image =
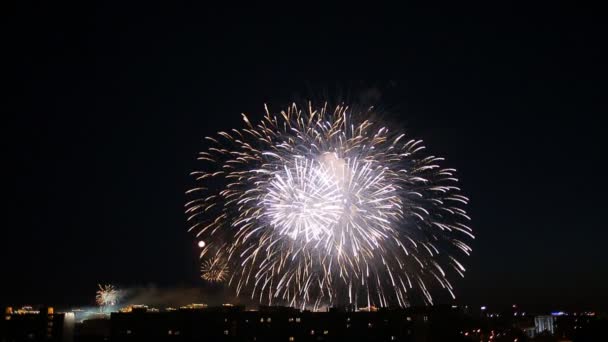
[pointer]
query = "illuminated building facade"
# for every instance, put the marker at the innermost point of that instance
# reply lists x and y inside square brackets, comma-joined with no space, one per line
[27,324]
[544,324]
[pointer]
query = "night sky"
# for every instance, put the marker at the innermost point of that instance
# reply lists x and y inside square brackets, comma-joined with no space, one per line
[109,105]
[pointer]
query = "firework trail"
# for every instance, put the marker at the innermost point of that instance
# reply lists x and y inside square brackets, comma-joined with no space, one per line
[327,207]
[107,295]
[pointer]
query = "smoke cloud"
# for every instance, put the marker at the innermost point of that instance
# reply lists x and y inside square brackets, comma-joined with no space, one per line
[175,297]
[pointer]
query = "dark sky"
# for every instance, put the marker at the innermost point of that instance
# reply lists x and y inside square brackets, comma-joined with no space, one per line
[108,106]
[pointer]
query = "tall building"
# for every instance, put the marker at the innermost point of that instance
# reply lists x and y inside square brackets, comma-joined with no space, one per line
[27,324]
[544,324]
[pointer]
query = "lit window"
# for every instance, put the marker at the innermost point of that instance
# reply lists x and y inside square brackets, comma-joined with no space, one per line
[291,338]
[268,320]
[170,332]
[262,320]
[298,319]
[325,332]
[393,338]
[312,332]
[128,332]
[409,319]
[290,319]
[369,325]
[225,332]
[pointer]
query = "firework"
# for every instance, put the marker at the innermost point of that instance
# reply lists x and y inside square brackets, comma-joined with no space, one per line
[327,207]
[214,269]
[107,295]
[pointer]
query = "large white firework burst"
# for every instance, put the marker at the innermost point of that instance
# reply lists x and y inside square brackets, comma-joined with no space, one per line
[327,207]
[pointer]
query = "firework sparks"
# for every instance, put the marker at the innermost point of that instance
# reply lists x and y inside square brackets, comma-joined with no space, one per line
[326,207]
[107,295]
[214,269]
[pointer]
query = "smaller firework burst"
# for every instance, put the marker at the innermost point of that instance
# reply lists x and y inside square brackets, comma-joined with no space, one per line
[107,295]
[214,269]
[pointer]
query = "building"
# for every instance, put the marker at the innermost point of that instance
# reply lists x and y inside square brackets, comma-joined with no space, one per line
[544,324]
[27,324]
[266,324]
